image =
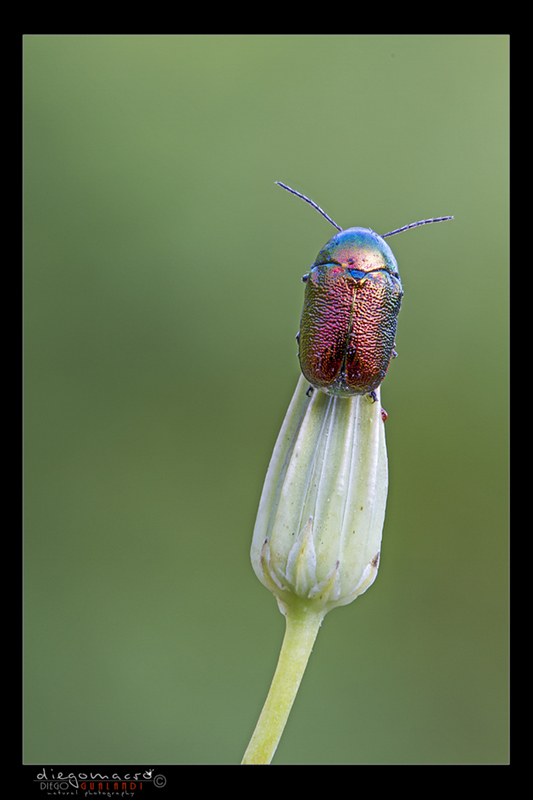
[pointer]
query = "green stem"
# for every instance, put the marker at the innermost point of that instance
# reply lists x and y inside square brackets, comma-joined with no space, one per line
[302,624]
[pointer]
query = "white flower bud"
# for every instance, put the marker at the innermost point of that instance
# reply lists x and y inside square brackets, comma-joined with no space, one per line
[317,536]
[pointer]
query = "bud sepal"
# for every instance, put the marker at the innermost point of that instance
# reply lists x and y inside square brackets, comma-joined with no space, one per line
[318,530]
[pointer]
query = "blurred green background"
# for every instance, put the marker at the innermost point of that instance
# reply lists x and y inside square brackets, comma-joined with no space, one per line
[162,297]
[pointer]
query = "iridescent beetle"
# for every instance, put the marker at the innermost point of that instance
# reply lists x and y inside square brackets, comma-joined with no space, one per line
[352,300]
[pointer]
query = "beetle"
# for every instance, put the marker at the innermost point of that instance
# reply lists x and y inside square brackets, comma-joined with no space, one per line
[352,300]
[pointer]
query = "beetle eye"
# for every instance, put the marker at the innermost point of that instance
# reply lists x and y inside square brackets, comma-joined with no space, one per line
[305,277]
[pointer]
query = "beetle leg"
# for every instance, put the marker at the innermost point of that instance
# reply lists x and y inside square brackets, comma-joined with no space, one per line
[310,391]
[305,277]
[373,396]
[394,354]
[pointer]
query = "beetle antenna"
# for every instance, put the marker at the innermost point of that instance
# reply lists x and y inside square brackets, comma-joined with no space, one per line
[320,211]
[415,225]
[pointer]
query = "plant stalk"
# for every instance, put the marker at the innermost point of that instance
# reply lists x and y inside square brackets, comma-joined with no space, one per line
[302,624]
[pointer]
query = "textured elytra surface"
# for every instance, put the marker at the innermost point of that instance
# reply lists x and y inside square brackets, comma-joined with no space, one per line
[348,328]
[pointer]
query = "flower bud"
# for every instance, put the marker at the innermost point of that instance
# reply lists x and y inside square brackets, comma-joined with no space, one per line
[317,535]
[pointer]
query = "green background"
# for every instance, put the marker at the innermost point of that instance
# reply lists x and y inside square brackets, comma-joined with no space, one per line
[162,297]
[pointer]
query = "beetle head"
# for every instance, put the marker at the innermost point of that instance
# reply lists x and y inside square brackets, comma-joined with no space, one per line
[358,249]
